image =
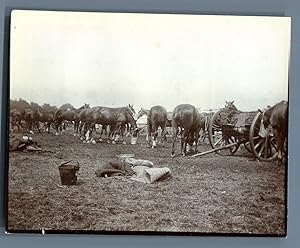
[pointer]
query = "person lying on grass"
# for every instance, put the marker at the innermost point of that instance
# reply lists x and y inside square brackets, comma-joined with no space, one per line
[22,143]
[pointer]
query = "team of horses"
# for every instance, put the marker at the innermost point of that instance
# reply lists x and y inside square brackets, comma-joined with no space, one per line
[83,118]
[185,120]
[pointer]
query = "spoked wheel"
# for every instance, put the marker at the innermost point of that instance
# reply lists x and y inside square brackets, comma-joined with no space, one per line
[203,136]
[262,140]
[217,137]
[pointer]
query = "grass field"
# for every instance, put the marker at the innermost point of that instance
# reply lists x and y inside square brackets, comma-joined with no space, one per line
[210,194]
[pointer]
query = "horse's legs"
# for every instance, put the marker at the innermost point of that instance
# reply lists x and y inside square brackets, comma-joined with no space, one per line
[181,142]
[76,127]
[16,123]
[197,136]
[85,127]
[109,132]
[30,126]
[175,133]
[101,132]
[154,134]
[48,126]
[280,142]
[184,140]
[149,131]
[37,124]
[163,133]
[57,125]
[123,129]
[113,132]
[116,131]
[89,131]
[80,126]
[127,129]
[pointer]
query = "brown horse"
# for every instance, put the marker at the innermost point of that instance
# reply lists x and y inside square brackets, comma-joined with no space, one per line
[277,117]
[185,116]
[68,114]
[16,112]
[84,119]
[116,118]
[156,117]
[200,124]
[46,117]
[88,122]
[31,118]
[16,117]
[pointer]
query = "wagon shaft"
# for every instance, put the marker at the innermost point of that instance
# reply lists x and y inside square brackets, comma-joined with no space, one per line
[215,150]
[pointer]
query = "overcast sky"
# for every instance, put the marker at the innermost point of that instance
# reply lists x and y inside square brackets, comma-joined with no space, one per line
[107,59]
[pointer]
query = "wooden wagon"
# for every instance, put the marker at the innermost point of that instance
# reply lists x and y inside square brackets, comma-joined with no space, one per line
[229,129]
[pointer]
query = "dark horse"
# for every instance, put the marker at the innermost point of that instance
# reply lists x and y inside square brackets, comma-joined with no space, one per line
[31,117]
[156,117]
[186,117]
[18,110]
[116,118]
[46,117]
[200,124]
[277,117]
[69,114]
[16,117]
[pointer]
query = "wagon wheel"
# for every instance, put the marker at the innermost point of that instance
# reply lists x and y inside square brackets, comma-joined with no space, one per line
[217,138]
[262,141]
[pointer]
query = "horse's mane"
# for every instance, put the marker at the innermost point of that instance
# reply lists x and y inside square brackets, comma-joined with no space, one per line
[129,115]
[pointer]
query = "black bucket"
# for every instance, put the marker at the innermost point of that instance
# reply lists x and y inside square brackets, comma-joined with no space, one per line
[68,172]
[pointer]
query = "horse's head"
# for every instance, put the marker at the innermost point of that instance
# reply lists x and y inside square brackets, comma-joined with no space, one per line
[131,111]
[130,107]
[140,113]
[86,106]
[229,106]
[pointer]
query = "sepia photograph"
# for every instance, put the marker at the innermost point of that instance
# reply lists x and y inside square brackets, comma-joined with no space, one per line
[144,123]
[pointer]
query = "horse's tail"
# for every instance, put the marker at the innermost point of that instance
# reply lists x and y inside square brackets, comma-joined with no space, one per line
[174,124]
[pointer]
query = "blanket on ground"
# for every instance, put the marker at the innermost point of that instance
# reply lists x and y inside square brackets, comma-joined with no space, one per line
[112,168]
[139,169]
[145,174]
